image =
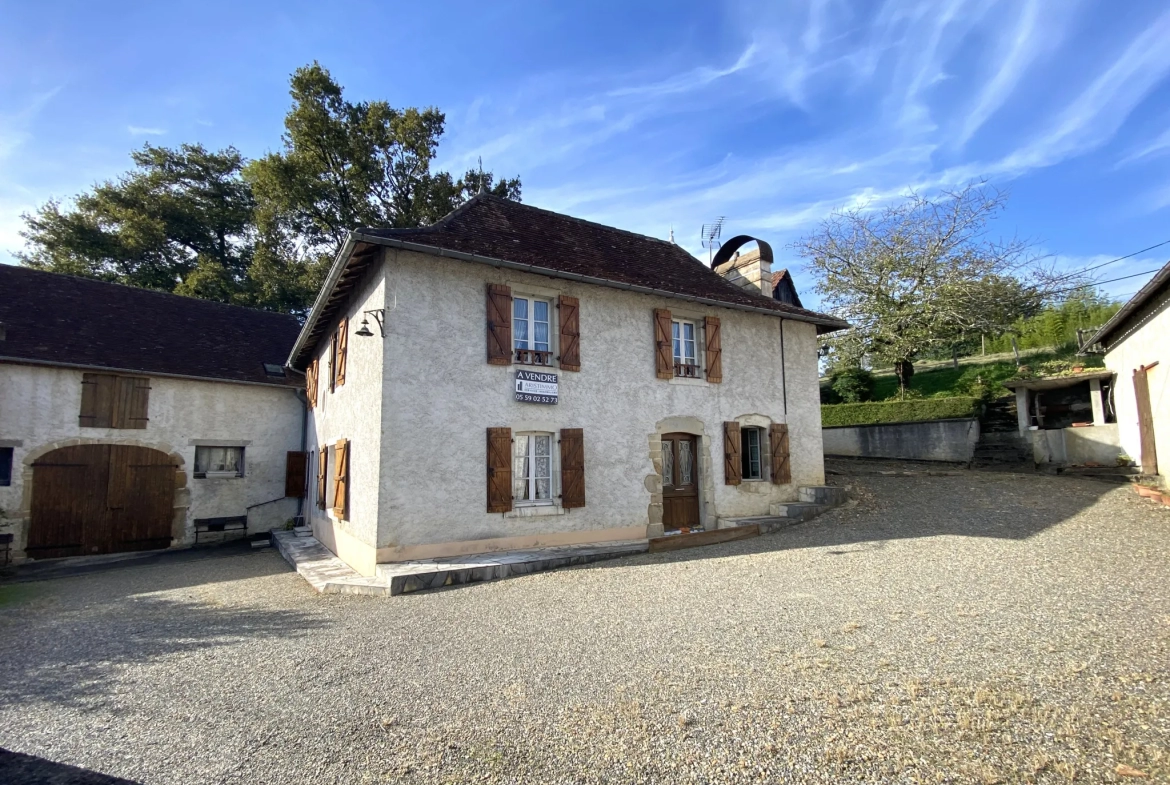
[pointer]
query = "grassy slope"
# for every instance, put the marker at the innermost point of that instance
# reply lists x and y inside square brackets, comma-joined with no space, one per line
[941,380]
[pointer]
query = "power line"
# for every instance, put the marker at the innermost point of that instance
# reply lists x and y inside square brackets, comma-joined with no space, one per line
[1098,283]
[1118,259]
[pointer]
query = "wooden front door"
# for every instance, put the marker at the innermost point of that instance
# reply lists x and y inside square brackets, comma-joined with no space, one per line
[101,498]
[1145,413]
[680,481]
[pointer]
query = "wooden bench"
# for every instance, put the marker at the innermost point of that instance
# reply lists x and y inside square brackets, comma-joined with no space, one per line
[229,523]
[6,546]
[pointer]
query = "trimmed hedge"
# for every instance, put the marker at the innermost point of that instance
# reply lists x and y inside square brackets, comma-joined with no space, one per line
[915,410]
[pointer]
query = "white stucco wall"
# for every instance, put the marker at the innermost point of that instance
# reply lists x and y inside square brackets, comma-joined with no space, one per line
[1149,343]
[39,408]
[442,395]
[353,412]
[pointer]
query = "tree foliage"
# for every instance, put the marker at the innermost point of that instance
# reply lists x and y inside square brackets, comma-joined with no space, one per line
[260,233]
[923,274]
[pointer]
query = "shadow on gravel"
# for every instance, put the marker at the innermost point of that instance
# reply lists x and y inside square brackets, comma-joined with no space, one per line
[19,769]
[63,641]
[963,504]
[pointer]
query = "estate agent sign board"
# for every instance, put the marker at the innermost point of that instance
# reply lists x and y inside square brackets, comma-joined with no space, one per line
[536,387]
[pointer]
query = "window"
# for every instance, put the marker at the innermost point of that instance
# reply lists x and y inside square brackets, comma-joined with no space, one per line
[685,356]
[753,467]
[530,330]
[532,469]
[5,465]
[212,462]
[331,486]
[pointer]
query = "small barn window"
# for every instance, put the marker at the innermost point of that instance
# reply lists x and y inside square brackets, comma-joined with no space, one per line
[218,462]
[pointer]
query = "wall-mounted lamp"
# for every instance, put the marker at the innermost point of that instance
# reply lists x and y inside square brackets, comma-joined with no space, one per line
[378,314]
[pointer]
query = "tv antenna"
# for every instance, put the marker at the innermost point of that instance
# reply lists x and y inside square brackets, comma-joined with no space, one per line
[710,234]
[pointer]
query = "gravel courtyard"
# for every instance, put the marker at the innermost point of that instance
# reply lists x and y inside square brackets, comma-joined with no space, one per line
[976,627]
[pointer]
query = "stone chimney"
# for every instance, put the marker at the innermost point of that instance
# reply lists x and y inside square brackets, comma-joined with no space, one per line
[748,271]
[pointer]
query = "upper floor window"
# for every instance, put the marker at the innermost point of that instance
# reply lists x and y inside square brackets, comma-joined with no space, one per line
[530,330]
[112,401]
[752,465]
[685,353]
[532,469]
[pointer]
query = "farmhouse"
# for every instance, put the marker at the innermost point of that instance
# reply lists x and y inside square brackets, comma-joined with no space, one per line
[1136,342]
[510,377]
[132,419]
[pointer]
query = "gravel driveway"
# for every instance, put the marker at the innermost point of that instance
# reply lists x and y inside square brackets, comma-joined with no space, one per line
[978,627]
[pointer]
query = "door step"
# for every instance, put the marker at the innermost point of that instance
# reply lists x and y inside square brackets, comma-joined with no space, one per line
[675,542]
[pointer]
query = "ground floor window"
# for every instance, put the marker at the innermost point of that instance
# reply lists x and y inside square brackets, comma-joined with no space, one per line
[532,468]
[752,466]
[5,465]
[219,461]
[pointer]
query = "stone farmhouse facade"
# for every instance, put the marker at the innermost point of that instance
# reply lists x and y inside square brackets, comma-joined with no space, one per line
[510,377]
[1136,342]
[132,419]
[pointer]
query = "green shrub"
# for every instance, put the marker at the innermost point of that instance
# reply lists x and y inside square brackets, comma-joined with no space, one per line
[852,384]
[899,411]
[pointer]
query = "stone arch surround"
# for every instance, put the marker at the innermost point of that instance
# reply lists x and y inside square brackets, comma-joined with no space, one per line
[23,517]
[653,482]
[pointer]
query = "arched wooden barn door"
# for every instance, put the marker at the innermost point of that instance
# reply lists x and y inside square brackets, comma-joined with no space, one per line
[101,498]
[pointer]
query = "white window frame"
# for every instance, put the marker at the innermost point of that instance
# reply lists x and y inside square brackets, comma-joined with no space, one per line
[214,475]
[678,342]
[553,490]
[746,455]
[530,322]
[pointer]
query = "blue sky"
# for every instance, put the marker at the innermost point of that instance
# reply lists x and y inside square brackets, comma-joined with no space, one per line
[644,116]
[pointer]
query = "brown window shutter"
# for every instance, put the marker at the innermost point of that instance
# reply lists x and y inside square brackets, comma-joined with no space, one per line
[342,350]
[572,468]
[311,384]
[781,464]
[97,400]
[341,479]
[133,401]
[322,477]
[499,325]
[570,311]
[732,466]
[499,469]
[295,464]
[714,350]
[663,348]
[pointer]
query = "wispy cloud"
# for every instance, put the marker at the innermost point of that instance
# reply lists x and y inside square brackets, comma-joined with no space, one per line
[139,130]
[1159,145]
[15,128]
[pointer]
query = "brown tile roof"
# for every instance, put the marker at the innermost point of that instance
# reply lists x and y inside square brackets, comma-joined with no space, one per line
[490,229]
[503,229]
[54,319]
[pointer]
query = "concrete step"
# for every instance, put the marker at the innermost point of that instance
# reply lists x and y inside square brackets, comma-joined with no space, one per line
[799,511]
[826,495]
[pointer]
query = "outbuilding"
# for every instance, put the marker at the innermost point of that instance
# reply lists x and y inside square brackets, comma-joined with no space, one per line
[132,419]
[1136,343]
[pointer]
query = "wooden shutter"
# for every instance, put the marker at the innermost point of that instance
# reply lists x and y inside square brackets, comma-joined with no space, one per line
[499,325]
[342,350]
[732,466]
[311,383]
[295,465]
[714,350]
[781,464]
[132,402]
[570,310]
[322,477]
[499,469]
[663,348]
[97,400]
[572,468]
[341,479]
